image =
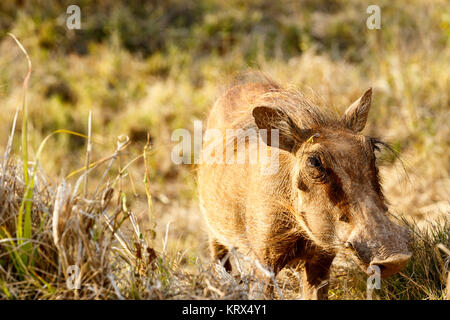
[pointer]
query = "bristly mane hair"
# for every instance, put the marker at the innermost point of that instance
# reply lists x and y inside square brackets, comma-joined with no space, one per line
[301,112]
[299,108]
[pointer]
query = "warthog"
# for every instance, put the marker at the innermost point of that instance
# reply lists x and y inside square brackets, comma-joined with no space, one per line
[324,198]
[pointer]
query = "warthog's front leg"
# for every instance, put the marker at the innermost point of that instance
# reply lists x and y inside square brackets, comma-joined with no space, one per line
[218,253]
[315,277]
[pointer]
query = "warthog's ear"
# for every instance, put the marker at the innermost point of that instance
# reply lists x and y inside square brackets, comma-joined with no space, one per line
[355,116]
[271,118]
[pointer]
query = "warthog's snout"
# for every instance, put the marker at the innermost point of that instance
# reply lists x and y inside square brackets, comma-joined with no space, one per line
[387,250]
[391,265]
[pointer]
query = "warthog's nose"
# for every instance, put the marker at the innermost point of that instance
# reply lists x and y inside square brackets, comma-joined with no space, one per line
[392,265]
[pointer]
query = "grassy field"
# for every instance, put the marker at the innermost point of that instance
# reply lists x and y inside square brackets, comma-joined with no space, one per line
[108,96]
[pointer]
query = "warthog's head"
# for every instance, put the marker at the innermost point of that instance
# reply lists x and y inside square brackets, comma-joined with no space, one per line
[335,178]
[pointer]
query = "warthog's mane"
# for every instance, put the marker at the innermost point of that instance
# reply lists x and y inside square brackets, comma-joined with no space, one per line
[296,106]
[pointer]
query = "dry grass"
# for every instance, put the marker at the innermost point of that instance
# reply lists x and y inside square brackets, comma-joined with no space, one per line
[72,229]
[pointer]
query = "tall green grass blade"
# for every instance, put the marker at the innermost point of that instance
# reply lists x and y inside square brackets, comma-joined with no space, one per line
[26,232]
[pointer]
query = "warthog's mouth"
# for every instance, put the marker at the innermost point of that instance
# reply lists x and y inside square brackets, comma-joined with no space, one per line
[385,267]
[391,265]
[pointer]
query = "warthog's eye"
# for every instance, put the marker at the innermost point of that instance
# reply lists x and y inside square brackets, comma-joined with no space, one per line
[315,168]
[376,144]
[376,149]
[314,162]
[344,218]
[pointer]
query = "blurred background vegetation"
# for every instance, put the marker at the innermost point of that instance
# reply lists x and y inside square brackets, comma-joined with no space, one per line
[154,66]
